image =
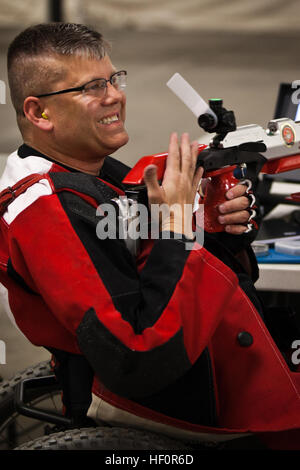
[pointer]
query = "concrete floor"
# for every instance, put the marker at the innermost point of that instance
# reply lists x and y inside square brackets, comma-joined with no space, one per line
[244,70]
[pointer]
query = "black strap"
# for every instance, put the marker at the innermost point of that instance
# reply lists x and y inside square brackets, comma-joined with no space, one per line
[82,183]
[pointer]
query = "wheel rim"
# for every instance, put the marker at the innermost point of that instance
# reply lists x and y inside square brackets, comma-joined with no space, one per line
[19,429]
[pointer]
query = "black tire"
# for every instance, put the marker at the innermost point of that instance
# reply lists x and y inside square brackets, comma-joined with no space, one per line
[102,438]
[22,433]
[16,429]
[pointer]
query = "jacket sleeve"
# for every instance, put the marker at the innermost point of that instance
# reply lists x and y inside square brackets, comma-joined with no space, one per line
[140,330]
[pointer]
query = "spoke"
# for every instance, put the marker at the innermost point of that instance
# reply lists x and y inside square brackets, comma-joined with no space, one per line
[52,396]
[19,429]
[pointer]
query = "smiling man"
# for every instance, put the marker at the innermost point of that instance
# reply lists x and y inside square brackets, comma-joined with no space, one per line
[171,336]
[92,131]
[68,125]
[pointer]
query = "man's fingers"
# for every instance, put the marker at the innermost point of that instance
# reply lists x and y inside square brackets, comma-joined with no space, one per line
[234,205]
[236,191]
[235,229]
[240,217]
[195,153]
[186,154]
[189,155]
[173,160]
[182,157]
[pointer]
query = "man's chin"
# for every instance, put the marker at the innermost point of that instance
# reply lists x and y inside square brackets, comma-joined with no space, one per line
[120,144]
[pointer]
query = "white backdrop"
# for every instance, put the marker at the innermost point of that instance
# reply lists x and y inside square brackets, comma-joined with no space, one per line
[221,15]
[19,12]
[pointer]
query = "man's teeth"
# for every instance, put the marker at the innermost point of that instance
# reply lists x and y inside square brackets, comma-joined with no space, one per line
[109,120]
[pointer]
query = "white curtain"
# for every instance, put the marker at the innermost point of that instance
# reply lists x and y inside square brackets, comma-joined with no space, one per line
[216,15]
[275,16]
[19,13]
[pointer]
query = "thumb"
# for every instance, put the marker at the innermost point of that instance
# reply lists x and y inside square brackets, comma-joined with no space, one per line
[153,187]
[150,178]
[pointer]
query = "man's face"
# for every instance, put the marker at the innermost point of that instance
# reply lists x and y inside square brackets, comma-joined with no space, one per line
[81,128]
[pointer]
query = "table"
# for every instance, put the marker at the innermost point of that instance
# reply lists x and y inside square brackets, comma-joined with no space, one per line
[279,277]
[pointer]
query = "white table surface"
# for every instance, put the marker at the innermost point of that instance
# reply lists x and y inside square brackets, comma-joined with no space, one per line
[279,277]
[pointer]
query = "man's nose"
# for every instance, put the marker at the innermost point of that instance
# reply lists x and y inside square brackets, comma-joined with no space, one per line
[112,93]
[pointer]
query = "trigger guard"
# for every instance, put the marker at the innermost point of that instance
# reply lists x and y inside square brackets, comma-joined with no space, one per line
[249,193]
[252,199]
[249,228]
[252,215]
[248,183]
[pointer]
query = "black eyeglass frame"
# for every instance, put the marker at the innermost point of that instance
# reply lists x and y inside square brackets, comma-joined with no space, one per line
[81,88]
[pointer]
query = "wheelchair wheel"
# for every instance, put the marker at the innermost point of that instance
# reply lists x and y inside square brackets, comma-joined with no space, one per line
[14,428]
[104,438]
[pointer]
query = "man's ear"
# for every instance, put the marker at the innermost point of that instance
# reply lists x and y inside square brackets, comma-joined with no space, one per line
[37,114]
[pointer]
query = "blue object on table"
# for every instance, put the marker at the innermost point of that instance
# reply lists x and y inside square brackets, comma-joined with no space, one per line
[275,257]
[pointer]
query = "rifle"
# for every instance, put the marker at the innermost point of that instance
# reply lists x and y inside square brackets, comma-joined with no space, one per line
[234,153]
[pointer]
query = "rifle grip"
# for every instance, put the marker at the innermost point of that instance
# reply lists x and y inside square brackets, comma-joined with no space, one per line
[220,181]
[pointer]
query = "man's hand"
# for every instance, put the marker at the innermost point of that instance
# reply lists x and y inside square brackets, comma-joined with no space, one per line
[179,185]
[234,213]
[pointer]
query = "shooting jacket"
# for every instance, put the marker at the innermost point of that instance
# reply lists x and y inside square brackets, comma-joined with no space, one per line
[176,336]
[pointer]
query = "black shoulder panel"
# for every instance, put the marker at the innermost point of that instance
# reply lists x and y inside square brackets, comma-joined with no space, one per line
[83,183]
[113,171]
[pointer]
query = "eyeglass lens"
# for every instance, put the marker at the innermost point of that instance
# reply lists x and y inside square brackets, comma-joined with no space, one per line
[118,80]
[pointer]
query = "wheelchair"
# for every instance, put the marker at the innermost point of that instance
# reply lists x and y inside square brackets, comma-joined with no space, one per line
[31,418]
[30,402]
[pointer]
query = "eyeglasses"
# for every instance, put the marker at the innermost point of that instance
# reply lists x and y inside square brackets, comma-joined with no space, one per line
[96,87]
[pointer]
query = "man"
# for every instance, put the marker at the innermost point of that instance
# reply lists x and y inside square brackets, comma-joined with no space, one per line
[171,337]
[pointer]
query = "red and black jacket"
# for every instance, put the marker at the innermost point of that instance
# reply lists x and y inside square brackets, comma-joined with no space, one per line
[167,324]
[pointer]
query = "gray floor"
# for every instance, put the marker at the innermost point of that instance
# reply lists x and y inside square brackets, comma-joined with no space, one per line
[243,70]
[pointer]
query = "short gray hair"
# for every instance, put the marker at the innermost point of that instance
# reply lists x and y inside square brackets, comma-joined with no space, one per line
[29,71]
